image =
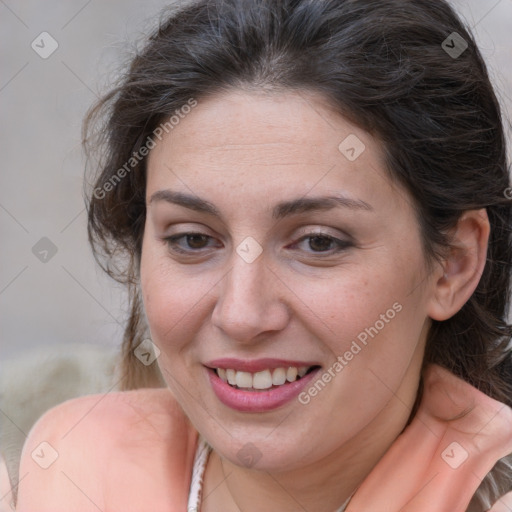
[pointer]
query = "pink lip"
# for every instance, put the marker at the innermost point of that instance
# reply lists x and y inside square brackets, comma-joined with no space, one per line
[256,365]
[257,401]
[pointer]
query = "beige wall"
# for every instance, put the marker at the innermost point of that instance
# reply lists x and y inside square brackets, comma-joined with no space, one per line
[42,103]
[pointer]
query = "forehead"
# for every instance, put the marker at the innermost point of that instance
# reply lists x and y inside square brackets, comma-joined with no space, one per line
[288,142]
[238,121]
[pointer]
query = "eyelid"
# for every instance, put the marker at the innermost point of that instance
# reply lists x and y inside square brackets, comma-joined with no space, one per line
[339,235]
[183,234]
[303,231]
[307,230]
[340,243]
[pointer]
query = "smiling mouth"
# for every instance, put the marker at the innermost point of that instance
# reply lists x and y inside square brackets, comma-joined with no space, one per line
[263,380]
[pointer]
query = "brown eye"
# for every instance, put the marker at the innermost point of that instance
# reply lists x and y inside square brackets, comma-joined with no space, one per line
[194,242]
[319,243]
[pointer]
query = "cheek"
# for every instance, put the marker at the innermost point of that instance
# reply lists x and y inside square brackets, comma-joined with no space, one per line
[165,299]
[165,303]
[175,300]
[346,304]
[370,315]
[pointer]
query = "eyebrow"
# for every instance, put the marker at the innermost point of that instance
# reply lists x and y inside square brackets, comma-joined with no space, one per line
[281,210]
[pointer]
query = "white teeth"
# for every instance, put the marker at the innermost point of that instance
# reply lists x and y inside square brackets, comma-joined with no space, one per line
[244,379]
[231,375]
[302,371]
[279,377]
[262,380]
[291,374]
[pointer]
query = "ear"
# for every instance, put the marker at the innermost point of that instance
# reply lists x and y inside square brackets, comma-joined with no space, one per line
[462,268]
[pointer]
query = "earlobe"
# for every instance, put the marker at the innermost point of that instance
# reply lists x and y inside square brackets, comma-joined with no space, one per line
[463,265]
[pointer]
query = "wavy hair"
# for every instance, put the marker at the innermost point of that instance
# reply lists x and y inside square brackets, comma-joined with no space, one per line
[384,66]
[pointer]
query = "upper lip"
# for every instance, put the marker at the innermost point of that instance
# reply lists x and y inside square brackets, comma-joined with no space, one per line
[256,365]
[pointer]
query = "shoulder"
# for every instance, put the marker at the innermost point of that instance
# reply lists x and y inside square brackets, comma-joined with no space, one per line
[109,419]
[78,450]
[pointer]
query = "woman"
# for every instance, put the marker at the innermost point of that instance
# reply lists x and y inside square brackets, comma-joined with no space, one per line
[308,202]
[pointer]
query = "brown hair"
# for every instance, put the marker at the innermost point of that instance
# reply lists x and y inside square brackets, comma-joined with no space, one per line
[381,64]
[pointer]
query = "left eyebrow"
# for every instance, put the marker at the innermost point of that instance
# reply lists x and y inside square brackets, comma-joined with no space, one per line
[322,203]
[280,210]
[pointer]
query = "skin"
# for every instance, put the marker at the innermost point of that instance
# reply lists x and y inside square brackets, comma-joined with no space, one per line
[244,152]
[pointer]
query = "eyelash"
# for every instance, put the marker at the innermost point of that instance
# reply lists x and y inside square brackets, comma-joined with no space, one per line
[171,242]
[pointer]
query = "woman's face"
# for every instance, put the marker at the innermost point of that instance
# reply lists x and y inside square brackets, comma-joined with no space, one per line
[279,279]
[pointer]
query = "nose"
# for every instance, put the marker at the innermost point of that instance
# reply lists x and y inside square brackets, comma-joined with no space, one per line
[250,302]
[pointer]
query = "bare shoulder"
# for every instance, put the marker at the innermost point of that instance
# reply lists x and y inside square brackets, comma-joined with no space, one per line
[77,450]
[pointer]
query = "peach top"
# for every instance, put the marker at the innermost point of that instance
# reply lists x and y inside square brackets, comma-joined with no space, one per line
[435,465]
[439,460]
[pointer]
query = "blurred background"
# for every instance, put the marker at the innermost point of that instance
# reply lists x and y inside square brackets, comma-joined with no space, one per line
[61,318]
[56,57]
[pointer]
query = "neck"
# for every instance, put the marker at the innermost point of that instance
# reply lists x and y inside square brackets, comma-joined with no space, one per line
[323,486]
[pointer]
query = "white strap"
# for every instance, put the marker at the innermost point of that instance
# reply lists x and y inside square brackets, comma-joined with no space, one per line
[196,484]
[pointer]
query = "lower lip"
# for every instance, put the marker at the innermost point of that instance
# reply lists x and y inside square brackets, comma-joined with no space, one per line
[258,401]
